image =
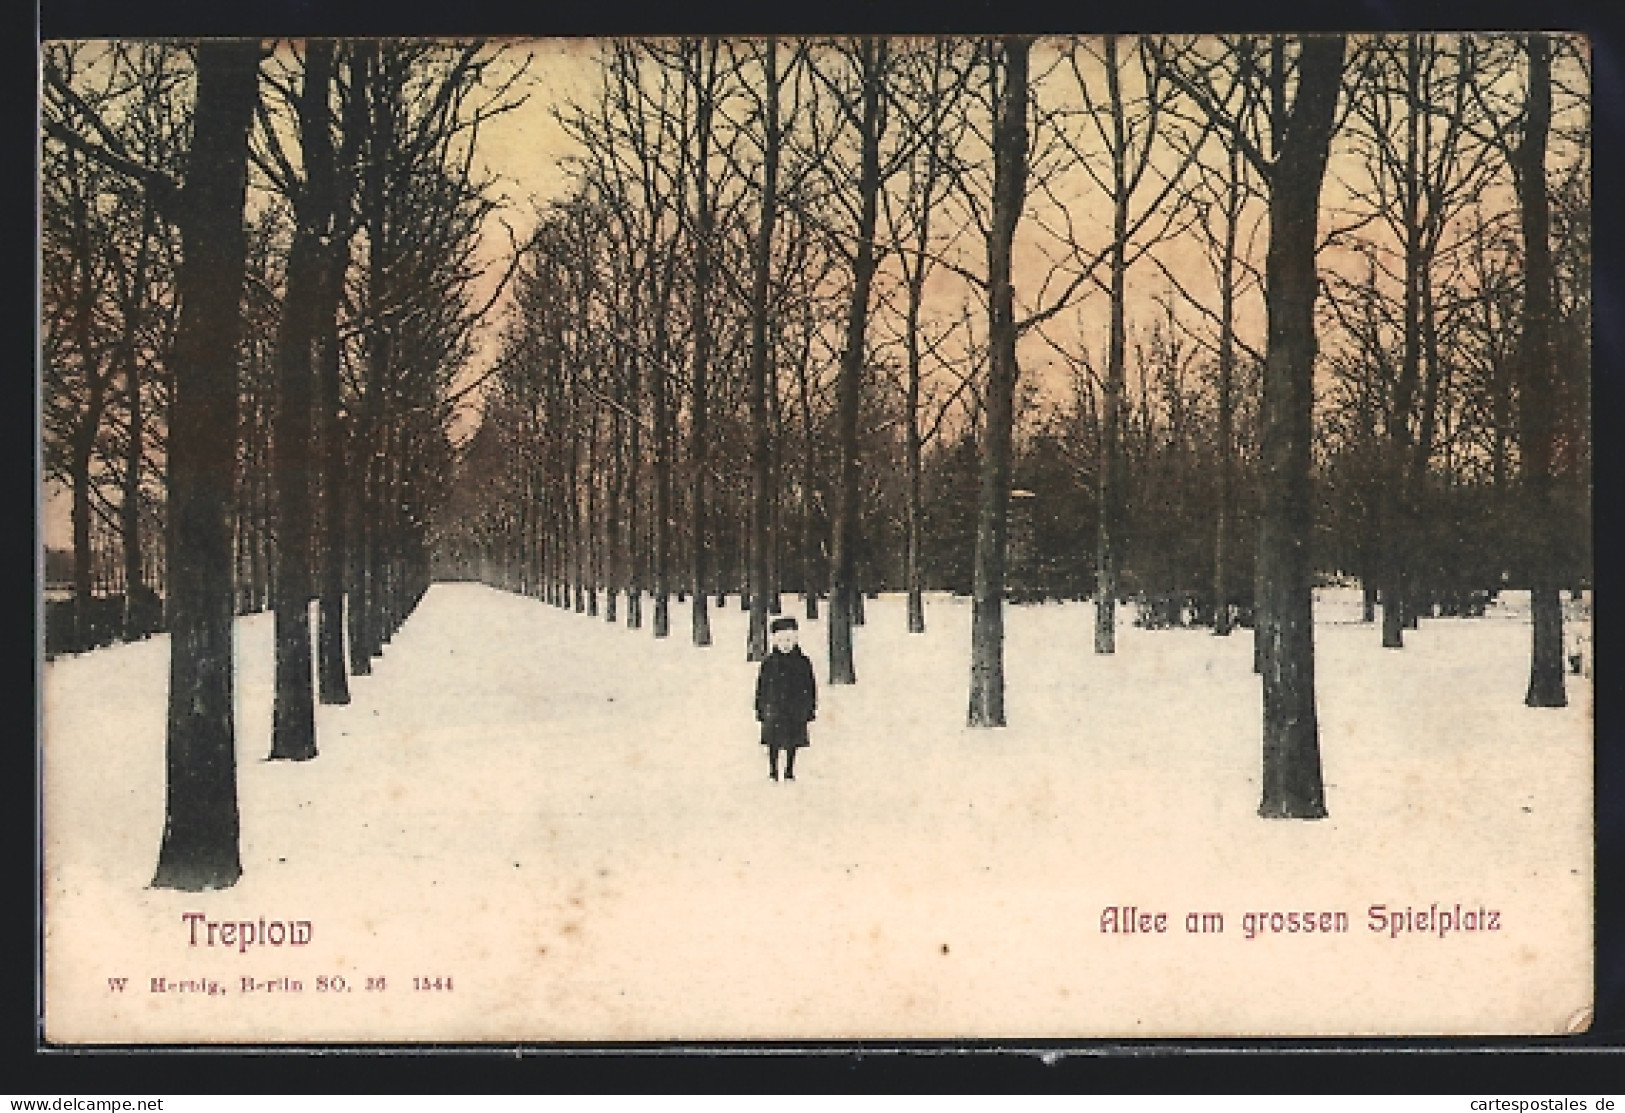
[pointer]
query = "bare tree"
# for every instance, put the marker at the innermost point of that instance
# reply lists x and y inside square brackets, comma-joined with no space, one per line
[1300,138]
[1007,77]
[200,841]
[332,428]
[932,103]
[1415,118]
[1221,201]
[1535,388]
[871,59]
[421,206]
[293,723]
[104,264]
[761,274]
[1292,786]
[199,849]
[78,367]
[630,140]
[702,71]
[1130,125]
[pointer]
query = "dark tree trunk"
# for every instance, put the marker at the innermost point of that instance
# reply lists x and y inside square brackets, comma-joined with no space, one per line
[1401,583]
[843,570]
[1260,575]
[808,540]
[912,447]
[913,444]
[293,719]
[137,622]
[533,554]
[200,841]
[83,590]
[634,521]
[563,557]
[1262,571]
[263,565]
[574,544]
[700,320]
[1227,406]
[333,681]
[1111,463]
[380,553]
[84,438]
[613,559]
[775,493]
[547,530]
[370,438]
[1292,786]
[257,468]
[1393,545]
[1419,600]
[1009,193]
[1537,387]
[592,552]
[240,546]
[665,436]
[360,536]
[293,724]
[333,677]
[1393,500]
[397,597]
[1402,524]
[761,463]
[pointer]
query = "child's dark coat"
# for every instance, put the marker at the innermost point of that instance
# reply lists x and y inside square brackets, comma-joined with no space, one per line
[786,699]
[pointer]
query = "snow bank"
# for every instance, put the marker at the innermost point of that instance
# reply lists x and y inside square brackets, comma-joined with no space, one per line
[573,824]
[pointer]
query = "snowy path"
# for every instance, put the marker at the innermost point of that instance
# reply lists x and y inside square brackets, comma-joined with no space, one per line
[573,822]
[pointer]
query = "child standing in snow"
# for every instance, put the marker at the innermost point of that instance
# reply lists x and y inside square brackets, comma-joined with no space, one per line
[786,698]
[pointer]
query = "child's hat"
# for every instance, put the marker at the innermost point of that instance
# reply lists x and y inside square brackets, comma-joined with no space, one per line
[783,624]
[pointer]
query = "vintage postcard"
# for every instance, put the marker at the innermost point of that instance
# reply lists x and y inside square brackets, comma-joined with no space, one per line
[717,539]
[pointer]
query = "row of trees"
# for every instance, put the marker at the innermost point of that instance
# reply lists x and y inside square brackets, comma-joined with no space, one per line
[259,273]
[787,297]
[1283,305]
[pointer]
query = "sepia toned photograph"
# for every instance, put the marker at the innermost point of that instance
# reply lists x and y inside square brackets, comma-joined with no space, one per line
[693,540]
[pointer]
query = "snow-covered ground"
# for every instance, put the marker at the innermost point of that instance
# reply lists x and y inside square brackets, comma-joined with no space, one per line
[572,824]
